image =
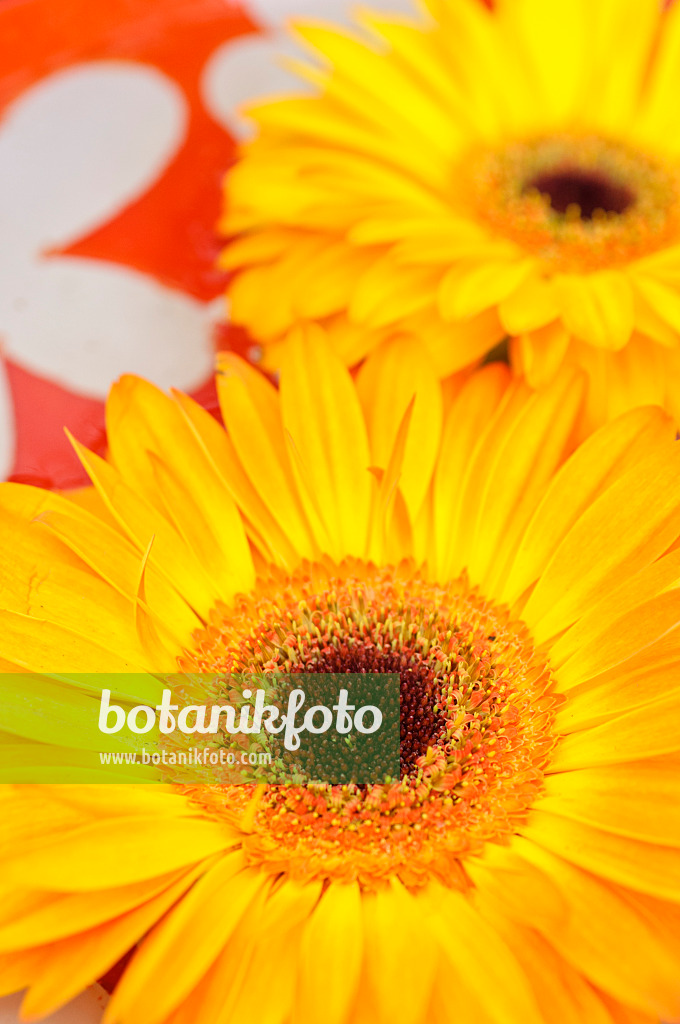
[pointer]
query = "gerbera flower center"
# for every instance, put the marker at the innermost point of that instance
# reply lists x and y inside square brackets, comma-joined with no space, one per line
[576,202]
[476,712]
[588,191]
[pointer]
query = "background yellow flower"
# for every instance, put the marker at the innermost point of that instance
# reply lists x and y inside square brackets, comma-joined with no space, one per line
[471,174]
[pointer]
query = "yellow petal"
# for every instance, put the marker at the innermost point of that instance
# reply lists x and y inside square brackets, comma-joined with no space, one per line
[17,970]
[344,129]
[624,445]
[598,699]
[41,646]
[265,987]
[336,270]
[639,800]
[66,593]
[644,732]
[116,852]
[327,433]
[67,713]
[24,762]
[632,29]
[375,82]
[222,549]
[540,354]
[417,54]
[70,914]
[390,378]
[117,561]
[482,963]
[642,867]
[598,308]
[648,321]
[554,44]
[501,95]
[65,969]
[255,976]
[252,414]
[146,429]
[393,928]
[386,512]
[141,522]
[469,289]
[453,1002]
[661,297]
[176,955]
[479,465]
[624,530]
[454,347]
[658,116]
[634,592]
[388,292]
[563,993]
[257,247]
[531,306]
[261,524]
[526,460]
[600,934]
[28,812]
[330,957]
[467,419]
[121,801]
[637,630]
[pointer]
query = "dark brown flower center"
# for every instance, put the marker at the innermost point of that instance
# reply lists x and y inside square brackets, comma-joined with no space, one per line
[419,688]
[578,203]
[589,190]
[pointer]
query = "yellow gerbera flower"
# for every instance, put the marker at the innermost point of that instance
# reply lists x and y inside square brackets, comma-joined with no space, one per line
[526,593]
[473,175]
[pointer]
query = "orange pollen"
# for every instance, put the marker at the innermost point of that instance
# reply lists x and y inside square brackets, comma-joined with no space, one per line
[579,203]
[477,706]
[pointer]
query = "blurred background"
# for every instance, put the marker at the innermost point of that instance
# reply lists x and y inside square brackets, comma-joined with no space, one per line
[118,120]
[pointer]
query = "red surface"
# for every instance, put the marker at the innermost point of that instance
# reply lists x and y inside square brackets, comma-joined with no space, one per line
[42,409]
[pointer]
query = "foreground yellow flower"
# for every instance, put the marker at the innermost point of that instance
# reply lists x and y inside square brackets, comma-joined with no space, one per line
[526,869]
[471,175]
